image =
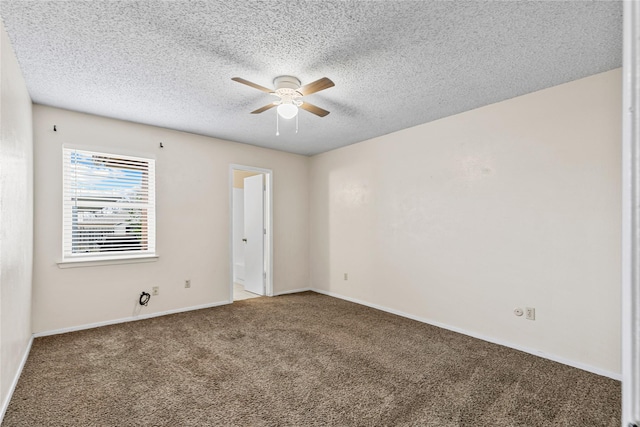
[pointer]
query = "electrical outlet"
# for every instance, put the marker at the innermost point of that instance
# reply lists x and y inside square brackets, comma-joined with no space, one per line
[187,283]
[530,313]
[346,276]
[155,291]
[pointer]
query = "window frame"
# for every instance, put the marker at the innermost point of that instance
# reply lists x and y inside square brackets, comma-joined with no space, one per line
[68,258]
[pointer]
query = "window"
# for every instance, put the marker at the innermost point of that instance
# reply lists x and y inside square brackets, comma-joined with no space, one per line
[108,206]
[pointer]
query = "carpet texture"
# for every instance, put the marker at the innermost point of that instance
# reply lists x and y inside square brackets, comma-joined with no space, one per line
[298,360]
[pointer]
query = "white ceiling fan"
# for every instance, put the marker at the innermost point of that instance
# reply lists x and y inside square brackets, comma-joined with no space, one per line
[290,92]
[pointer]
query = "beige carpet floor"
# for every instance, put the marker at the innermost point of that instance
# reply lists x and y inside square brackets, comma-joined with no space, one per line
[298,360]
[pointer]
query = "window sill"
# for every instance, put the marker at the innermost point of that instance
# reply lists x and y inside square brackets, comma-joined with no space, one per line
[91,262]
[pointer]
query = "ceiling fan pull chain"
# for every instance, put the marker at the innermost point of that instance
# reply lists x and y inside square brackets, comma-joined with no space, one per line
[297,123]
[277,125]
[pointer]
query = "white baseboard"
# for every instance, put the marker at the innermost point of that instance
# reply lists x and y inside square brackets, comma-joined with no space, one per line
[292,291]
[127,319]
[14,383]
[555,358]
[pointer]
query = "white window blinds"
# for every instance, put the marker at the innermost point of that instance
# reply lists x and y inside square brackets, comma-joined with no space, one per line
[108,206]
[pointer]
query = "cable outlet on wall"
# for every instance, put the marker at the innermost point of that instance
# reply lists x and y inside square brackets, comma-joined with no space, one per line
[346,276]
[155,291]
[530,313]
[187,283]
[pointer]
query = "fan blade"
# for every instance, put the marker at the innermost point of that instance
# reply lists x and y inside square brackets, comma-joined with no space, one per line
[261,109]
[313,109]
[317,86]
[253,85]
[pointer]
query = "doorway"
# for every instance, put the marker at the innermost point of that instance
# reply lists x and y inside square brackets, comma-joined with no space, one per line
[251,231]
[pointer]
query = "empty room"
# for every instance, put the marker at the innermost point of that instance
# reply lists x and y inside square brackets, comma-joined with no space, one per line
[319,213]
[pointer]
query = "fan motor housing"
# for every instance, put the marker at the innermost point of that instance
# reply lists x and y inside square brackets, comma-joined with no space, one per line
[286,82]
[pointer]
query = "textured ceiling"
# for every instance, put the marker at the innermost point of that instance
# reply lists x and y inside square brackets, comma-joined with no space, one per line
[395,64]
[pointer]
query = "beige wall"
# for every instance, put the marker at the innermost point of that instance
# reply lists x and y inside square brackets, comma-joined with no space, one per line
[16,217]
[193,223]
[461,220]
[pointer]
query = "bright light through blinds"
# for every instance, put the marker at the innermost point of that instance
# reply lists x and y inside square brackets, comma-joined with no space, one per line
[109,205]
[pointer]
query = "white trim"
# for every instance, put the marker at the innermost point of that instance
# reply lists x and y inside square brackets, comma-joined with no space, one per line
[493,340]
[90,262]
[16,377]
[631,216]
[268,175]
[292,291]
[127,319]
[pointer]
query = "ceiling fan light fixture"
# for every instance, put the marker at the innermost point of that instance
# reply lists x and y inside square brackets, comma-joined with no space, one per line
[290,93]
[287,111]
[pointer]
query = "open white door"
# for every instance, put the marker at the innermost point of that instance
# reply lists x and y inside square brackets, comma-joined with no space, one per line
[254,234]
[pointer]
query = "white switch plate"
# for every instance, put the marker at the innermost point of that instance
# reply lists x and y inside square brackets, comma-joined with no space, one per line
[530,313]
[155,291]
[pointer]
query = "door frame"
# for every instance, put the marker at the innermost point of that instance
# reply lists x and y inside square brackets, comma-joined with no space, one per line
[631,216]
[268,222]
